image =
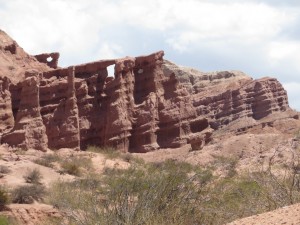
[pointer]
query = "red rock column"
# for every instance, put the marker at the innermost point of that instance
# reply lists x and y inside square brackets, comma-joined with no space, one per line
[29,130]
[72,103]
[119,111]
[63,126]
[6,116]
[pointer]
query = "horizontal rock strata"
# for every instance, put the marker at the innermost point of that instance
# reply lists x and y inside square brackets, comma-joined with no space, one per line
[150,103]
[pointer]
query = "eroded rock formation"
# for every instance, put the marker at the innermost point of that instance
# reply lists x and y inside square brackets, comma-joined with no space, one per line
[51,59]
[6,118]
[149,104]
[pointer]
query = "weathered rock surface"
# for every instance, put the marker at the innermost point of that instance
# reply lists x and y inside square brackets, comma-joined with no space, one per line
[29,130]
[51,59]
[149,104]
[14,61]
[6,117]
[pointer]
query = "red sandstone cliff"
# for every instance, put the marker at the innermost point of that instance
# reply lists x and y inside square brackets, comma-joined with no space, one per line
[149,104]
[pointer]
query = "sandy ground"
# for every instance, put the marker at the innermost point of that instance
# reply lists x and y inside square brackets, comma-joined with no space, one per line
[289,215]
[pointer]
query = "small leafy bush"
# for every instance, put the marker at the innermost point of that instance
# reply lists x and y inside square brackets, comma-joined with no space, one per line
[26,194]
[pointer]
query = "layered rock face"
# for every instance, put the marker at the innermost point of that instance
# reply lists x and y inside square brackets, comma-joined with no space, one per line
[6,118]
[149,104]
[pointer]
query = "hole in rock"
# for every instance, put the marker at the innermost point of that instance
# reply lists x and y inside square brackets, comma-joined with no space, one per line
[49,59]
[111,70]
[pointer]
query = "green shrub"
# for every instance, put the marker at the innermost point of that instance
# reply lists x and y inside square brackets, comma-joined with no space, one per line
[4,200]
[6,220]
[26,194]
[33,176]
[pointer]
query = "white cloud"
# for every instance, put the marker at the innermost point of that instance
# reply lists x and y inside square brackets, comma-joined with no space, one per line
[252,35]
[239,22]
[293,90]
[280,50]
[109,51]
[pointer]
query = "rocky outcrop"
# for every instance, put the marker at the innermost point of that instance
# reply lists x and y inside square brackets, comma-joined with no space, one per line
[150,103]
[14,61]
[63,125]
[51,59]
[6,116]
[29,130]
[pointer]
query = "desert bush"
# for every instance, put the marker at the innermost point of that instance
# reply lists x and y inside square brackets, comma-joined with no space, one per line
[173,192]
[71,168]
[146,195]
[108,151]
[75,165]
[130,158]
[4,169]
[33,176]
[47,160]
[233,198]
[4,200]
[228,165]
[26,194]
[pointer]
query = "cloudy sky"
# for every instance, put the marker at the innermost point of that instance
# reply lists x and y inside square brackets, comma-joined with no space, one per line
[259,37]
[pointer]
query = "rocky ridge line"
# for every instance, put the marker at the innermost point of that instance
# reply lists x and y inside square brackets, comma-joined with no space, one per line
[150,103]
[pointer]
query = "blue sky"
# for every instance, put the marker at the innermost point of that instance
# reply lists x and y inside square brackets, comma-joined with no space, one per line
[260,38]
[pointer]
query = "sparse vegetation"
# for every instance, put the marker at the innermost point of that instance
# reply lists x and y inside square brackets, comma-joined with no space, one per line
[227,164]
[33,176]
[26,194]
[47,160]
[128,157]
[108,151]
[75,165]
[4,220]
[145,195]
[4,169]
[19,151]
[4,200]
[71,168]
[11,67]
[171,192]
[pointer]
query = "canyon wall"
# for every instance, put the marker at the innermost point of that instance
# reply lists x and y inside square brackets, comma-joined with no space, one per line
[150,103]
